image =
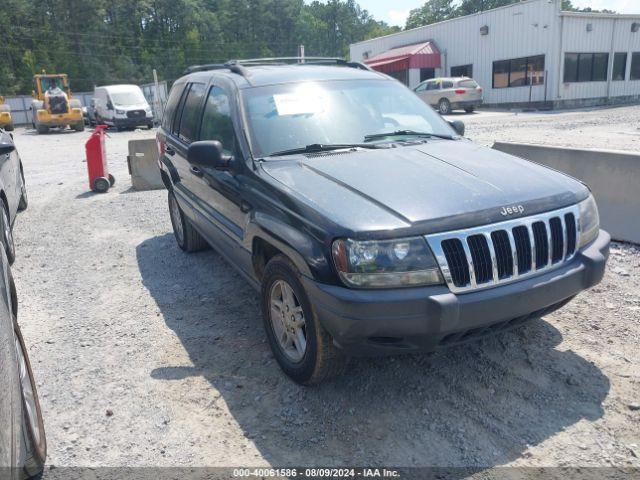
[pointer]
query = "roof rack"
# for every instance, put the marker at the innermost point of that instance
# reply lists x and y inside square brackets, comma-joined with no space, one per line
[238,66]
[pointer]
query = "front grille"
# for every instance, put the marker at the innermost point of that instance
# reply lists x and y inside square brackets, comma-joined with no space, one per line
[504,252]
[136,114]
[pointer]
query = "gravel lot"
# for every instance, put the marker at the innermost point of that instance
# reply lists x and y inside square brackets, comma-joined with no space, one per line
[147,356]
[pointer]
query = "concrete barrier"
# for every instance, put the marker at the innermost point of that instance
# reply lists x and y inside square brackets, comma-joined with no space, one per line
[143,165]
[613,176]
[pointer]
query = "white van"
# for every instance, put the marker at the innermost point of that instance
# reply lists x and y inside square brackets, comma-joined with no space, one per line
[122,106]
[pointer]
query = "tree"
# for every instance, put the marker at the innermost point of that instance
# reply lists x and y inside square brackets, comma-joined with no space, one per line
[431,12]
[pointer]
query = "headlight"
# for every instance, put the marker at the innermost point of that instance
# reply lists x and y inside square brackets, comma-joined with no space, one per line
[120,112]
[385,263]
[589,221]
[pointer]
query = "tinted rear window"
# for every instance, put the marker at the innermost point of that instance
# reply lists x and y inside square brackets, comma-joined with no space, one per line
[172,103]
[468,84]
[191,112]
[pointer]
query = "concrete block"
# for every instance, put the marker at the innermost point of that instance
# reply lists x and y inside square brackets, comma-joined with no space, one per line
[613,176]
[143,165]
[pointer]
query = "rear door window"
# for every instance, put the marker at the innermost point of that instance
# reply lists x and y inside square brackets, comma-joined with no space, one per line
[467,84]
[191,112]
[172,104]
[216,120]
[447,84]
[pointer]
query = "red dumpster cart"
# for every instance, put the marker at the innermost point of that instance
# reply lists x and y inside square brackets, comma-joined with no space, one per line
[99,177]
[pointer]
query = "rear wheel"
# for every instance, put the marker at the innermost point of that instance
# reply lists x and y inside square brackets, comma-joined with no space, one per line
[42,128]
[444,106]
[24,199]
[112,180]
[79,127]
[33,425]
[469,109]
[302,347]
[188,238]
[7,234]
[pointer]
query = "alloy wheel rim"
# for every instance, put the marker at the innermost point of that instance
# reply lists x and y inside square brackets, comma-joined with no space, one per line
[287,321]
[177,219]
[28,395]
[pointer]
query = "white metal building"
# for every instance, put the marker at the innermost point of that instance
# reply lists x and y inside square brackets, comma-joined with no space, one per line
[527,51]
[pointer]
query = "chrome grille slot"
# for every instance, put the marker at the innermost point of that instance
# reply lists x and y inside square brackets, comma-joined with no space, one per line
[504,252]
[541,244]
[557,239]
[523,247]
[457,261]
[482,263]
[570,222]
[504,255]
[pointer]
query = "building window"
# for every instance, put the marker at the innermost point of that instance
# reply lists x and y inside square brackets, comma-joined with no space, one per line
[427,73]
[619,67]
[635,66]
[585,67]
[462,71]
[518,72]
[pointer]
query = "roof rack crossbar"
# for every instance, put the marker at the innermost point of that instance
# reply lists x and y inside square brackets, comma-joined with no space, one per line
[238,66]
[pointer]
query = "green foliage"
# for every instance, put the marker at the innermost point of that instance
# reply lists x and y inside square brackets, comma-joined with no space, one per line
[100,42]
[438,10]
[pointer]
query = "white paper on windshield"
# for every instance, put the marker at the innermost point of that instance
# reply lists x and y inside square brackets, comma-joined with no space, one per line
[298,103]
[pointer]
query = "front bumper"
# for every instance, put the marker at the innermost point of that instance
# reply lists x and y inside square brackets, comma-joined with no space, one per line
[72,117]
[132,122]
[379,322]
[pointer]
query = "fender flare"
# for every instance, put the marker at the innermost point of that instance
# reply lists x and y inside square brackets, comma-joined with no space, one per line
[307,254]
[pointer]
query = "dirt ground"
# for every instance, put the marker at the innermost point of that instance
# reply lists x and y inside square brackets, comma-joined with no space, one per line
[147,356]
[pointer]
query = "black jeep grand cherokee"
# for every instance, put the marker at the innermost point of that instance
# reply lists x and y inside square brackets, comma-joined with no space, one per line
[369,225]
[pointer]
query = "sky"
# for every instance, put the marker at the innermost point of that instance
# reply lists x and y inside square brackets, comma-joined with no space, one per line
[396,12]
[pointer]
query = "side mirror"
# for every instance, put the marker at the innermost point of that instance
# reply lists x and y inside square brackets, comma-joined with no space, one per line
[208,154]
[458,126]
[6,147]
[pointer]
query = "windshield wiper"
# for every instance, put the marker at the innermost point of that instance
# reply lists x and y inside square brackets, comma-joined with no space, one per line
[319,147]
[412,133]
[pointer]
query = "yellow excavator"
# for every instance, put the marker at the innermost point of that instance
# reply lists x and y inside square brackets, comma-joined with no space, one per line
[52,105]
[6,122]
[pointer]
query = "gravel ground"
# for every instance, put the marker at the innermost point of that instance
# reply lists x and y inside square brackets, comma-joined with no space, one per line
[146,356]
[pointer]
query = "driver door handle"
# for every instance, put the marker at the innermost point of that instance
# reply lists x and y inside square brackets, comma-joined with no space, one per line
[196,171]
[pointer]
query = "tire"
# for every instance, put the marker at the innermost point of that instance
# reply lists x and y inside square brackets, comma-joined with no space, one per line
[24,199]
[319,359]
[100,184]
[187,237]
[112,180]
[34,436]
[79,127]
[7,234]
[444,106]
[469,109]
[150,126]
[42,129]
[9,127]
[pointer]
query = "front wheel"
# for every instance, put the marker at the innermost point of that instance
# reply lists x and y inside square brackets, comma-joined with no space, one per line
[302,347]
[469,109]
[444,106]
[9,127]
[79,127]
[33,424]
[101,185]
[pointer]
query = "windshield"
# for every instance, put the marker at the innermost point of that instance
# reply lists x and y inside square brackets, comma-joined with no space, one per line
[132,97]
[282,117]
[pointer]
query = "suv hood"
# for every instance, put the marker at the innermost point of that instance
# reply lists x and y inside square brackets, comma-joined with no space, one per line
[434,186]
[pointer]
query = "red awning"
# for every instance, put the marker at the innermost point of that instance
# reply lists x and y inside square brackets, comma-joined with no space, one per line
[420,55]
